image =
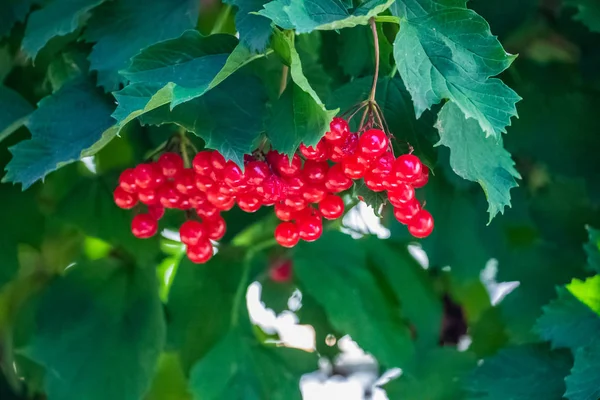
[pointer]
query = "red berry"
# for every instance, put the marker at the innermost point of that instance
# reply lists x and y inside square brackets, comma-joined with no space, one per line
[374,182]
[233,175]
[373,142]
[272,189]
[200,253]
[215,227]
[156,211]
[422,179]
[192,232]
[185,182]
[331,207]
[336,180]
[184,204]
[127,181]
[257,172]
[144,226]
[123,199]
[145,176]
[353,167]
[203,183]
[220,200]
[384,164]
[169,197]
[421,225]
[248,202]
[408,167]
[207,210]
[310,228]
[295,202]
[336,154]
[405,213]
[316,153]
[224,189]
[281,271]
[217,161]
[283,212]
[401,195]
[315,171]
[314,193]
[295,185]
[170,164]
[197,200]
[390,181]
[202,163]
[338,129]
[148,196]
[285,168]
[286,234]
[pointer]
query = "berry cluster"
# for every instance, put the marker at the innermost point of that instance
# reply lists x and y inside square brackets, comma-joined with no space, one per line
[303,189]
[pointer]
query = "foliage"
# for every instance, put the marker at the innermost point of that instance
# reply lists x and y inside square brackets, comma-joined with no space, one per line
[89,88]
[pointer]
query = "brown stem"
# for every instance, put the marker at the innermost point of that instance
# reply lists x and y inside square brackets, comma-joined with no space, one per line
[284,79]
[376,44]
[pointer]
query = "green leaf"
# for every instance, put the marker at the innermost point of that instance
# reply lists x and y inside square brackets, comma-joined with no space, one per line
[228,118]
[588,13]
[170,382]
[307,16]
[121,29]
[110,328]
[592,249]
[11,12]
[588,292]
[255,30]
[359,40]
[239,367]
[449,53]
[57,18]
[438,375]
[478,158]
[582,384]
[67,67]
[567,322]
[340,282]
[375,200]
[521,373]
[84,116]
[14,111]
[419,301]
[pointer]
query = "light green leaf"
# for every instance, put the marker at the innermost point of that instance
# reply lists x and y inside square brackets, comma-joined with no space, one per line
[121,29]
[592,249]
[521,373]
[478,158]
[57,18]
[14,111]
[110,328]
[584,381]
[170,382]
[588,13]
[588,292]
[449,53]
[64,126]
[255,30]
[340,282]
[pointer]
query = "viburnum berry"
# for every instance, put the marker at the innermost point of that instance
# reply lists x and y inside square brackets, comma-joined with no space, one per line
[338,129]
[201,252]
[373,143]
[168,196]
[405,213]
[421,224]
[286,234]
[144,226]
[156,211]
[192,232]
[217,161]
[202,163]
[408,167]
[248,202]
[257,172]
[422,179]
[401,195]
[315,171]
[222,201]
[353,167]
[204,183]
[295,202]
[336,180]
[316,153]
[127,181]
[331,207]
[283,212]
[170,164]
[310,228]
[148,197]
[281,271]
[314,193]
[197,200]
[215,227]
[294,185]
[233,175]
[145,176]
[384,164]
[272,189]
[207,210]
[185,182]
[123,199]
[374,182]
[287,168]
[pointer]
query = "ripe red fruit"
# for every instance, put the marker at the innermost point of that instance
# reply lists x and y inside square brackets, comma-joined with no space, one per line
[373,142]
[185,182]
[184,204]
[285,168]
[200,253]
[331,207]
[354,167]
[169,197]
[203,183]
[310,228]
[233,175]
[421,225]
[248,202]
[123,199]
[283,211]
[148,197]
[405,213]
[220,200]
[281,271]
[295,185]
[314,193]
[156,211]
[338,129]
[144,226]
[295,202]
[170,164]
[272,189]
[422,179]
[197,200]
[315,171]
[127,181]
[374,182]
[192,232]
[286,234]
[408,167]
[401,195]
[384,164]
[202,163]
[336,180]
[316,153]
[217,161]
[215,227]
[257,172]
[207,210]
[146,176]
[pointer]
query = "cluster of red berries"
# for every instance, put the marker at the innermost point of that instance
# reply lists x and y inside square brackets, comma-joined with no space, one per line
[303,192]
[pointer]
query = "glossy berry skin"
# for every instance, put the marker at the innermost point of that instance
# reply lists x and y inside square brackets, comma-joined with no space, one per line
[405,213]
[383,164]
[310,228]
[401,195]
[200,253]
[257,172]
[338,130]
[374,182]
[295,185]
[197,200]
[286,234]
[283,212]
[408,167]
[185,182]
[127,181]
[336,180]
[217,161]
[248,202]
[192,232]
[207,211]
[144,226]
[169,197]
[156,212]
[331,207]
[148,196]
[170,164]
[145,176]
[422,179]
[202,164]
[319,152]
[315,171]
[295,202]
[354,167]
[204,183]
[123,199]
[222,201]
[215,227]
[314,193]
[421,225]
[233,175]
[287,168]
[281,271]
[373,143]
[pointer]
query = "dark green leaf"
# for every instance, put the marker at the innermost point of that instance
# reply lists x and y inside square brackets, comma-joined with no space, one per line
[255,30]
[14,111]
[478,158]
[357,52]
[110,328]
[170,382]
[375,200]
[11,12]
[447,52]
[142,24]
[521,373]
[588,292]
[333,271]
[582,384]
[592,249]
[588,13]
[64,126]
[66,67]
[57,18]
